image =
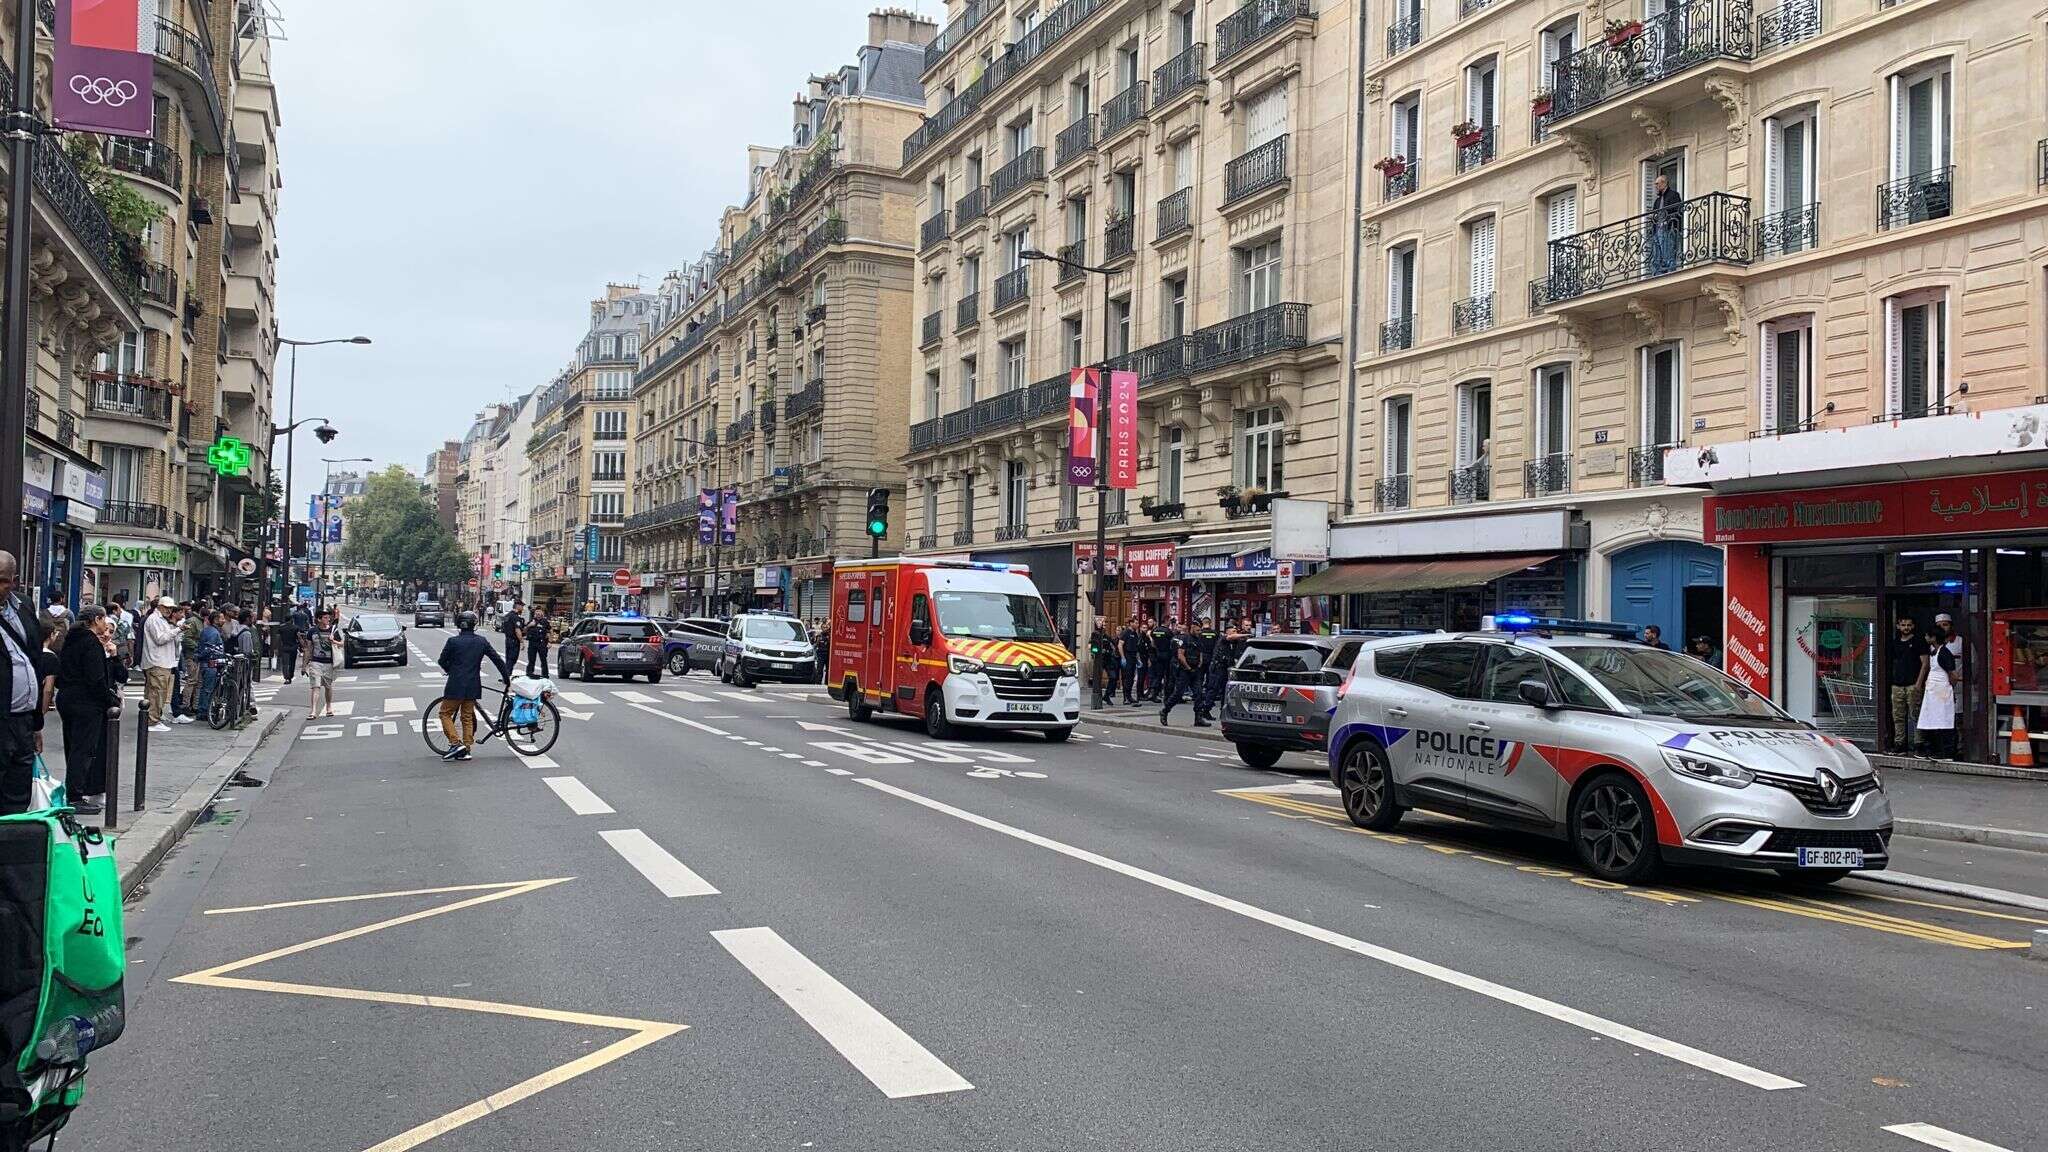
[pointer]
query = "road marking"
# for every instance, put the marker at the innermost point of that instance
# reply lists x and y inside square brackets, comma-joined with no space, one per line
[540,760]
[746,697]
[389,676]
[687,697]
[1877,921]
[876,1047]
[1950,907]
[766,748]
[1106,744]
[346,679]
[807,726]
[1649,1042]
[698,725]
[668,875]
[357,899]
[343,707]
[838,771]
[932,753]
[792,755]
[400,704]
[632,697]
[867,753]
[1934,1137]
[813,763]
[583,698]
[1151,751]
[580,799]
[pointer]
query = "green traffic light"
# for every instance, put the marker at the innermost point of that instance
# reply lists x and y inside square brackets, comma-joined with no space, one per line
[878,527]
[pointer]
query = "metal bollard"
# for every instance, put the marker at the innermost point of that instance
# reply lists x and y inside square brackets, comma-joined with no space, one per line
[141,752]
[111,819]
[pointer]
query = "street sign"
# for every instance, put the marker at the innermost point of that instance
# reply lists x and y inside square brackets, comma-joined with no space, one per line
[306,593]
[622,577]
[1283,578]
[472,583]
[228,456]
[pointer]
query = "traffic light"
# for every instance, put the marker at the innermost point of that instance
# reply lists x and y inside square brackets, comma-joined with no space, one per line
[878,512]
[298,548]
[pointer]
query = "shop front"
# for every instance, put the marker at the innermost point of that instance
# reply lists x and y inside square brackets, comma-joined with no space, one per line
[771,586]
[811,584]
[1149,584]
[1246,581]
[1450,573]
[144,569]
[1833,592]
[1052,571]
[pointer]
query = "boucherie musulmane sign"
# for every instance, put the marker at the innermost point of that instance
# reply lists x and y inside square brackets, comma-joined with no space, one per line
[1994,502]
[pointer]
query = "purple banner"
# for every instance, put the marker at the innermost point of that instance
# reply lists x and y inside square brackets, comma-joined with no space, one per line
[707,515]
[1081,415]
[103,69]
[729,517]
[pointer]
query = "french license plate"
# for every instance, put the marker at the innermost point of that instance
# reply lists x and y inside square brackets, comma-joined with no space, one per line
[784,665]
[629,657]
[1831,858]
[1262,708]
[1023,707]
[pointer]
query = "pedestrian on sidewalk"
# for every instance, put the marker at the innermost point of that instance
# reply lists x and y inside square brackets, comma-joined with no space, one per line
[318,644]
[1938,702]
[1201,659]
[212,650]
[1179,645]
[1127,643]
[513,628]
[124,627]
[89,680]
[160,635]
[266,637]
[1906,662]
[1165,658]
[536,644]
[19,731]
[462,658]
[190,623]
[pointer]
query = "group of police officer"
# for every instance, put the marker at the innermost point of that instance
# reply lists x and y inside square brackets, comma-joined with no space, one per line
[1150,660]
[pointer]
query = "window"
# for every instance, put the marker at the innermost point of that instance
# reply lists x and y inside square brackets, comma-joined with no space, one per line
[1406,128]
[1019,138]
[1077,99]
[1259,439]
[1016,492]
[1671,166]
[973,171]
[1561,222]
[1180,28]
[1558,41]
[1396,428]
[937,196]
[1181,163]
[1015,244]
[1553,410]
[612,384]
[1506,668]
[1789,174]
[607,347]
[935,293]
[1070,501]
[609,424]
[931,394]
[856,605]
[607,505]
[1916,353]
[1126,67]
[1482,96]
[1070,338]
[1920,114]
[1660,396]
[1011,354]
[1265,117]
[124,472]
[1172,463]
[1123,192]
[1401,283]
[1475,422]
[1077,219]
[931,509]
[817,446]
[1120,326]
[608,465]
[1479,249]
[1445,668]
[1023,22]
[970,274]
[1258,276]
[967,367]
[1173,307]
[818,292]
[1787,373]
[967,503]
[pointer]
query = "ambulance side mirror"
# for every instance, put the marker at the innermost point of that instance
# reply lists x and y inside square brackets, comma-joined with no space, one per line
[920,632]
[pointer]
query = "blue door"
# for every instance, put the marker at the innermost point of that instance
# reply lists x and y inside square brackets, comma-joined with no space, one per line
[1650,582]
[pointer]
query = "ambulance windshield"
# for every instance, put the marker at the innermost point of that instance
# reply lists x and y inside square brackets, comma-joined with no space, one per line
[993,616]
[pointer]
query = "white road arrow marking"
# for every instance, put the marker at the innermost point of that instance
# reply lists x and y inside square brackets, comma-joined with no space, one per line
[866,753]
[807,726]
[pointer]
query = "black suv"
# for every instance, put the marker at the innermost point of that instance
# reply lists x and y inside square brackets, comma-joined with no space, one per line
[429,614]
[1281,692]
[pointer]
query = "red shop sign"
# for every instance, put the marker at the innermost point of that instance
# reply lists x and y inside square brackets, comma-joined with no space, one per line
[1149,563]
[1949,505]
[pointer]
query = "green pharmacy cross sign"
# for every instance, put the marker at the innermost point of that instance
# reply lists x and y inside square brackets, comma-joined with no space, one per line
[229,456]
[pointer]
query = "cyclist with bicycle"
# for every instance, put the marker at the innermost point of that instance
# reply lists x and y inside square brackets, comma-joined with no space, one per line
[462,658]
[210,653]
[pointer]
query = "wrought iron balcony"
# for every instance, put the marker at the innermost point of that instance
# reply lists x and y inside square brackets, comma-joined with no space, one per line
[130,514]
[1468,7]
[149,159]
[1071,256]
[934,229]
[956,426]
[743,426]
[1176,213]
[1793,230]
[1916,199]
[1013,287]
[1547,475]
[1066,524]
[1404,33]
[963,536]
[928,540]
[185,49]
[1478,151]
[1276,328]
[1123,110]
[1047,397]
[1646,464]
[1255,171]
[960,29]
[75,204]
[128,397]
[1255,21]
[1397,333]
[967,312]
[1390,493]
[1017,56]
[1177,75]
[932,326]
[1027,168]
[1117,519]
[804,401]
[1472,483]
[1119,237]
[1169,359]
[1679,39]
[1008,532]
[924,434]
[2041,164]
[159,283]
[1788,23]
[1399,180]
[1074,140]
[970,207]
[1710,229]
[1472,314]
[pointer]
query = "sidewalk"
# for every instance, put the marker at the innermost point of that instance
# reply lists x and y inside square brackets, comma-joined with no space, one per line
[187,766]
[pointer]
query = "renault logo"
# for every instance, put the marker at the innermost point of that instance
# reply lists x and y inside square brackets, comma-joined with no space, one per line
[1830,787]
[1024,670]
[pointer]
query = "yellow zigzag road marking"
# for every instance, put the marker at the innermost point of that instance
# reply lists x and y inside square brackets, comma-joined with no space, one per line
[642,1032]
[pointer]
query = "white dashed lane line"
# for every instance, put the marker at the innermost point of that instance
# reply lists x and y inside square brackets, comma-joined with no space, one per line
[1942,1138]
[670,876]
[580,799]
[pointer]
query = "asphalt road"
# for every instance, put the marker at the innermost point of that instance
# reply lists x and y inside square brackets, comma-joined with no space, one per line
[723,920]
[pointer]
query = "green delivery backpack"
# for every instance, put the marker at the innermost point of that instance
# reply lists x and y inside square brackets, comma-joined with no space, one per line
[62,959]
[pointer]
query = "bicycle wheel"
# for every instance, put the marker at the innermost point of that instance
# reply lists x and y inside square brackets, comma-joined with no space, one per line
[430,728]
[217,715]
[536,738]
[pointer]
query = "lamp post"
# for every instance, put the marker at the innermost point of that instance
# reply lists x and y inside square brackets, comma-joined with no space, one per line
[320,597]
[291,425]
[1101,563]
[717,514]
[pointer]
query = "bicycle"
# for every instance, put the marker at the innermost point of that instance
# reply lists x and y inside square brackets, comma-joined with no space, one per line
[531,738]
[233,700]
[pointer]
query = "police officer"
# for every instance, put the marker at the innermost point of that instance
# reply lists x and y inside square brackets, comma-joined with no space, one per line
[1103,657]
[1229,646]
[1202,663]
[1165,659]
[1179,673]
[1127,647]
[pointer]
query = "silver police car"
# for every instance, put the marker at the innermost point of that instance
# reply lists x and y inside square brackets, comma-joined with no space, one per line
[1635,755]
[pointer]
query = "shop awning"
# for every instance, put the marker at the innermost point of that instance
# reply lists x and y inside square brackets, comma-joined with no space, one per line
[1409,575]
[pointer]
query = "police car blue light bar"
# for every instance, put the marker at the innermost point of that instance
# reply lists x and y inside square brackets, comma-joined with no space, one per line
[1527,622]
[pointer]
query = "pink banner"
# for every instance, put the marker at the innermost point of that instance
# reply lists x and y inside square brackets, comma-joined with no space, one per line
[103,68]
[1123,430]
[1081,415]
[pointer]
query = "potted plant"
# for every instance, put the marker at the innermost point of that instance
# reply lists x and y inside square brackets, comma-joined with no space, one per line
[1261,500]
[1620,32]
[1226,497]
[1392,167]
[1466,133]
[1541,103]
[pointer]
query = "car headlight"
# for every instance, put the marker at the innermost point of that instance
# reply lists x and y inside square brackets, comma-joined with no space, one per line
[1071,668]
[963,664]
[1712,769]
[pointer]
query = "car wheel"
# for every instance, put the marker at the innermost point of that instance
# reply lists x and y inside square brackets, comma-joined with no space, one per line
[1813,876]
[857,707]
[679,663]
[583,670]
[654,677]
[1258,755]
[403,660]
[1368,787]
[936,725]
[740,680]
[1058,735]
[724,676]
[1612,829]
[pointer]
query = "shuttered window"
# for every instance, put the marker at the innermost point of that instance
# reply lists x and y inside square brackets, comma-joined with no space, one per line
[1920,114]
[1786,373]
[1561,214]
[1265,116]
[1394,432]
[1183,164]
[1553,408]
[1660,395]
[1482,262]
[1480,82]
[1407,126]
[1475,421]
[1916,338]
[1401,282]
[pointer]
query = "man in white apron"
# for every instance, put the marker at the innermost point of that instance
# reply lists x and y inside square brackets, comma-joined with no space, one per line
[1938,705]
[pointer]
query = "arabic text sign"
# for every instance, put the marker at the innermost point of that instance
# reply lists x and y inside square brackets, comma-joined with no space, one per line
[1949,505]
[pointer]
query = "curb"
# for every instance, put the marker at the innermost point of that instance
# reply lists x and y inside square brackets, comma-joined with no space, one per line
[163,827]
[1955,888]
[1972,834]
[1136,725]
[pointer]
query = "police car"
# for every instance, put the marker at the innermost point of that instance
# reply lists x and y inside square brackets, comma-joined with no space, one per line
[1634,755]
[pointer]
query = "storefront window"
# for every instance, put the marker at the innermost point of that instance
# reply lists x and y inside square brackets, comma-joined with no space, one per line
[1831,665]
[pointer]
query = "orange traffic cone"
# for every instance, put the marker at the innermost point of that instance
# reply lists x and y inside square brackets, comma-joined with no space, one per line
[2020,753]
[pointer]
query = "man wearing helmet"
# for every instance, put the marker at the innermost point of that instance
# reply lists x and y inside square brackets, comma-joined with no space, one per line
[462,658]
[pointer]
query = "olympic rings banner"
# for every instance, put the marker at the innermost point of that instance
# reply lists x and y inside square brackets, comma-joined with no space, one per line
[103,67]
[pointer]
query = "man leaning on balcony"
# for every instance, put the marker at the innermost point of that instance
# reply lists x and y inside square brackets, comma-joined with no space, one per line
[1666,218]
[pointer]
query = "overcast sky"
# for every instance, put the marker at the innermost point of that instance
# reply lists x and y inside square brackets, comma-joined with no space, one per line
[461,178]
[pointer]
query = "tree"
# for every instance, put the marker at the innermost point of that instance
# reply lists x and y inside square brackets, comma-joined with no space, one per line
[394,532]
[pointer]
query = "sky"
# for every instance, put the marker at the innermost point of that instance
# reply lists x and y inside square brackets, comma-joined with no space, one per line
[462,177]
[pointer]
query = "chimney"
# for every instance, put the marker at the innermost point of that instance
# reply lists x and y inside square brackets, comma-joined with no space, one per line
[899,26]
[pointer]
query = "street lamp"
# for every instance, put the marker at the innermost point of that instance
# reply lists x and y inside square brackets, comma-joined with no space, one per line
[326,483]
[1101,563]
[717,516]
[326,432]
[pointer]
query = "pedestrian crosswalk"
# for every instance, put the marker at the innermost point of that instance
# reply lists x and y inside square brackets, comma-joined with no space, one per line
[388,714]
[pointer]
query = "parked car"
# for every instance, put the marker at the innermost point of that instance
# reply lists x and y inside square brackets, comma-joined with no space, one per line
[373,636]
[694,642]
[429,614]
[626,646]
[1281,692]
[767,646]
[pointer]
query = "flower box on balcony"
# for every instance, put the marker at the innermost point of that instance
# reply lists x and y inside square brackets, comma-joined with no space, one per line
[1263,501]
[1541,104]
[1466,134]
[1161,510]
[1620,32]
[1392,166]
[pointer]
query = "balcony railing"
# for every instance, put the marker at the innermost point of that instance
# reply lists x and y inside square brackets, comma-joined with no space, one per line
[1390,493]
[1468,7]
[1709,229]
[1547,475]
[1255,171]
[1397,333]
[159,283]
[1013,287]
[967,312]
[1029,166]
[924,434]
[1008,532]
[1176,213]
[1405,33]
[1017,56]
[1119,237]
[1793,230]
[129,514]
[1674,41]
[960,29]
[743,426]
[1472,483]
[1472,314]
[1646,464]
[806,400]
[1275,328]
[1917,198]
[113,395]
[1123,110]
[970,207]
[149,159]
[1072,256]
[1177,75]
[1074,140]
[1254,22]
[999,411]
[1401,180]
[934,229]
[956,426]
[1047,397]
[933,323]
[80,210]
[1788,23]
[1066,524]
[181,47]
[1170,358]
[1478,152]
[963,536]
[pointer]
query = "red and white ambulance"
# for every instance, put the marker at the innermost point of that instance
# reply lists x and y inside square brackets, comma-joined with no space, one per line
[952,641]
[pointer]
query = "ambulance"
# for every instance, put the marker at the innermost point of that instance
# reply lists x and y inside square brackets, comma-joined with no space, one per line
[953,642]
